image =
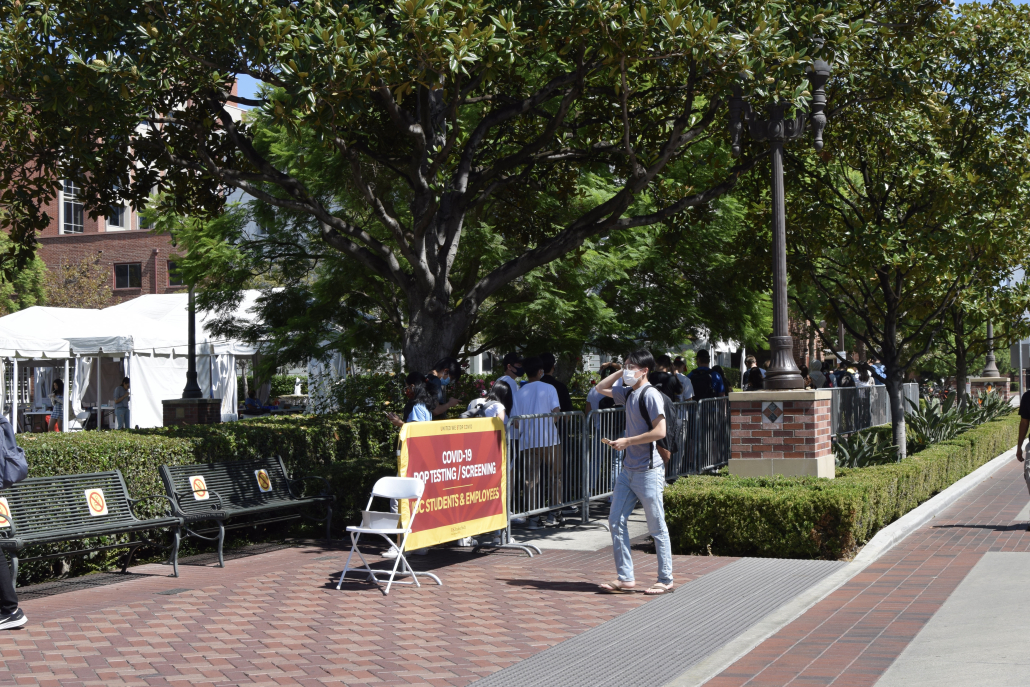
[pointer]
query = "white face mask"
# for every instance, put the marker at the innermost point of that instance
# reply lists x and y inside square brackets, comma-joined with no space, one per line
[629,377]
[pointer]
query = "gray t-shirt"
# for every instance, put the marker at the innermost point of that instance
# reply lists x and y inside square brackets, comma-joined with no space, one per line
[639,457]
[121,397]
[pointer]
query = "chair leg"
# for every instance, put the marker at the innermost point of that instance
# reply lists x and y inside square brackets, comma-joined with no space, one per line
[221,539]
[128,558]
[397,561]
[346,566]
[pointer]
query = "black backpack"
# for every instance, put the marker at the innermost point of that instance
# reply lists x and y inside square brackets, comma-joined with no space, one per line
[702,383]
[673,440]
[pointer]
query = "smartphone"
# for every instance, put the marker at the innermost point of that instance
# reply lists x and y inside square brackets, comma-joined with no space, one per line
[606,441]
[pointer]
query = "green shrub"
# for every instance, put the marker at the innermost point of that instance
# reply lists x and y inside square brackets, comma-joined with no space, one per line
[281,385]
[351,452]
[808,517]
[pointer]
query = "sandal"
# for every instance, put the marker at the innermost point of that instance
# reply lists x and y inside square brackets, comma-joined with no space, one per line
[657,589]
[616,587]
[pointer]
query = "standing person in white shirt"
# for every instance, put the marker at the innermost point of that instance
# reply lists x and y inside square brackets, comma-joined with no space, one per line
[680,366]
[538,439]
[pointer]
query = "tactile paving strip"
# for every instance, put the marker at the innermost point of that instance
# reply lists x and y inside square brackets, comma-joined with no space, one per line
[657,641]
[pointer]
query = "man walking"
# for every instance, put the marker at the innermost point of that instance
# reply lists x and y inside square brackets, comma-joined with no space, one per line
[643,472]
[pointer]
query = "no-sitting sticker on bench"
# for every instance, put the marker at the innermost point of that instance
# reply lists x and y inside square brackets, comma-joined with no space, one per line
[462,463]
[264,483]
[199,487]
[5,513]
[96,502]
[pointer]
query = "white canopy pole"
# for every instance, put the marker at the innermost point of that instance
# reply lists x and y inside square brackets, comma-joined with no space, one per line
[64,399]
[15,397]
[98,392]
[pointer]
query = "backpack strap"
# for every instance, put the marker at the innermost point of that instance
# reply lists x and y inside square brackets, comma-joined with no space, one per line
[642,406]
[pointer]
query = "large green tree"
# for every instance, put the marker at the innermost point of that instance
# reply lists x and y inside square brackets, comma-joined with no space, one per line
[924,181]
[424,109]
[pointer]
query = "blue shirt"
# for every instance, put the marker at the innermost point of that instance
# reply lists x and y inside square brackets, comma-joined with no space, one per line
[436,388]
[419,413]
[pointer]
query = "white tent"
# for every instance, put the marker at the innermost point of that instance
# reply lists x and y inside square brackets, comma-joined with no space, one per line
[144,338]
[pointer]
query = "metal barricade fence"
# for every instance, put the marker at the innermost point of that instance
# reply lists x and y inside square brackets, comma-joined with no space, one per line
[713,435]
[910,397]
[546,467]
[603,463]
[683,461]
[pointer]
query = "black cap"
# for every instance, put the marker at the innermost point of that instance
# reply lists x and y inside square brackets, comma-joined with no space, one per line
[512,359]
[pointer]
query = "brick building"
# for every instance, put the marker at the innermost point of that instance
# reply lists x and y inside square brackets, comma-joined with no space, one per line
[140,262]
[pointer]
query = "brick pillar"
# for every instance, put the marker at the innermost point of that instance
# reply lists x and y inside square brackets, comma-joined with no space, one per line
[781,433]
[192,411]
[998,384]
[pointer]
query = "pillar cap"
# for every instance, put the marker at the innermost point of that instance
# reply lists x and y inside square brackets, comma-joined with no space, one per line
[799,395]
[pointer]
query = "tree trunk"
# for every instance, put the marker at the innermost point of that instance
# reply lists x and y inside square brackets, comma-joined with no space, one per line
[566,366]
[243,366]
[432,334]
[961,356]
[893,383]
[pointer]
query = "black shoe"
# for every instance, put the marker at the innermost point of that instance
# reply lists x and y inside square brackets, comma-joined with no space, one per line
[16,619]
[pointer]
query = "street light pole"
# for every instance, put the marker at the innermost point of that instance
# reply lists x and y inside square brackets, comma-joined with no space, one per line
[192,389]
[991,368]
[783,371]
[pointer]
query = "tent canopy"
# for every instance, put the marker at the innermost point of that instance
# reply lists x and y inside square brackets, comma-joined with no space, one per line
[155,324]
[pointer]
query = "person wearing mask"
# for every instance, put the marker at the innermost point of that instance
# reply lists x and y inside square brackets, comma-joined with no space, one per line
[707,382]
[512,364]
[57,401]
[680,366]
[121,404]
[539,441]
[447,371]
[643,473]
[419,408]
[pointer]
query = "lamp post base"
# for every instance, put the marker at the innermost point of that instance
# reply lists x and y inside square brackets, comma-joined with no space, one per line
[783,371]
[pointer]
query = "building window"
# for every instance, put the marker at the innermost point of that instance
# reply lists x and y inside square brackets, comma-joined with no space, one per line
[174,278]
[116,217]
[128,276]
[73,209]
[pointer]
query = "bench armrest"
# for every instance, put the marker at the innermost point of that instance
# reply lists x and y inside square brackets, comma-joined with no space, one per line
[8,530]
[215,505]
[323,480]
[133,502]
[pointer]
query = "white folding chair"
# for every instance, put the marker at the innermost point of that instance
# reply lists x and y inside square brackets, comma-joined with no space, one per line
[388,488]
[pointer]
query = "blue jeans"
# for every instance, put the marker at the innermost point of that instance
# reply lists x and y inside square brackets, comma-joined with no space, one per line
[647,486]
[121,416]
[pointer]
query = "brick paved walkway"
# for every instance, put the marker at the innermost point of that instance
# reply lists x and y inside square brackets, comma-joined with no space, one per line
[277,619]
[850,638]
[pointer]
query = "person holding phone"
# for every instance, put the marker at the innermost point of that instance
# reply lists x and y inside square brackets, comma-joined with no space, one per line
[643,472]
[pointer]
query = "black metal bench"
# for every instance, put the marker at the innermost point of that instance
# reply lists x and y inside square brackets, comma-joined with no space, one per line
[50,510]
[236,489]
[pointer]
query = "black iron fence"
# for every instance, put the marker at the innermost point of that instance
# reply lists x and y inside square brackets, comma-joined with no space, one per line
[856,408]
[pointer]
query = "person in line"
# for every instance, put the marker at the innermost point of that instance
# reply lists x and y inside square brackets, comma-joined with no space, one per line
[564,398]
[707,383]
[717,369]
[754,380]
[497,403]
[446,371]
[816,374]
[805,376]
[512,364]
[680,367]
[539,443]
[57,401]
[752,362]
[419,408]
[863,378]
[643,473]
[663,363]
[121,404]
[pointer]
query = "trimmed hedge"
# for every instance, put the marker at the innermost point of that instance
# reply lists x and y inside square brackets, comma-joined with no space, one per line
[808,517]
[352,452]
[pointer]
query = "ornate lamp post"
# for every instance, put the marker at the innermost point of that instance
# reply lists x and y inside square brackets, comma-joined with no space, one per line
[783,371]
[192,389]
[991,368]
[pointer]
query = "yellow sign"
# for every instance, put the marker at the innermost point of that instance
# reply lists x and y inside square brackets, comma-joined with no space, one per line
[5,513]
[264,483]
[464,467]
[96,502]
[199,487]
